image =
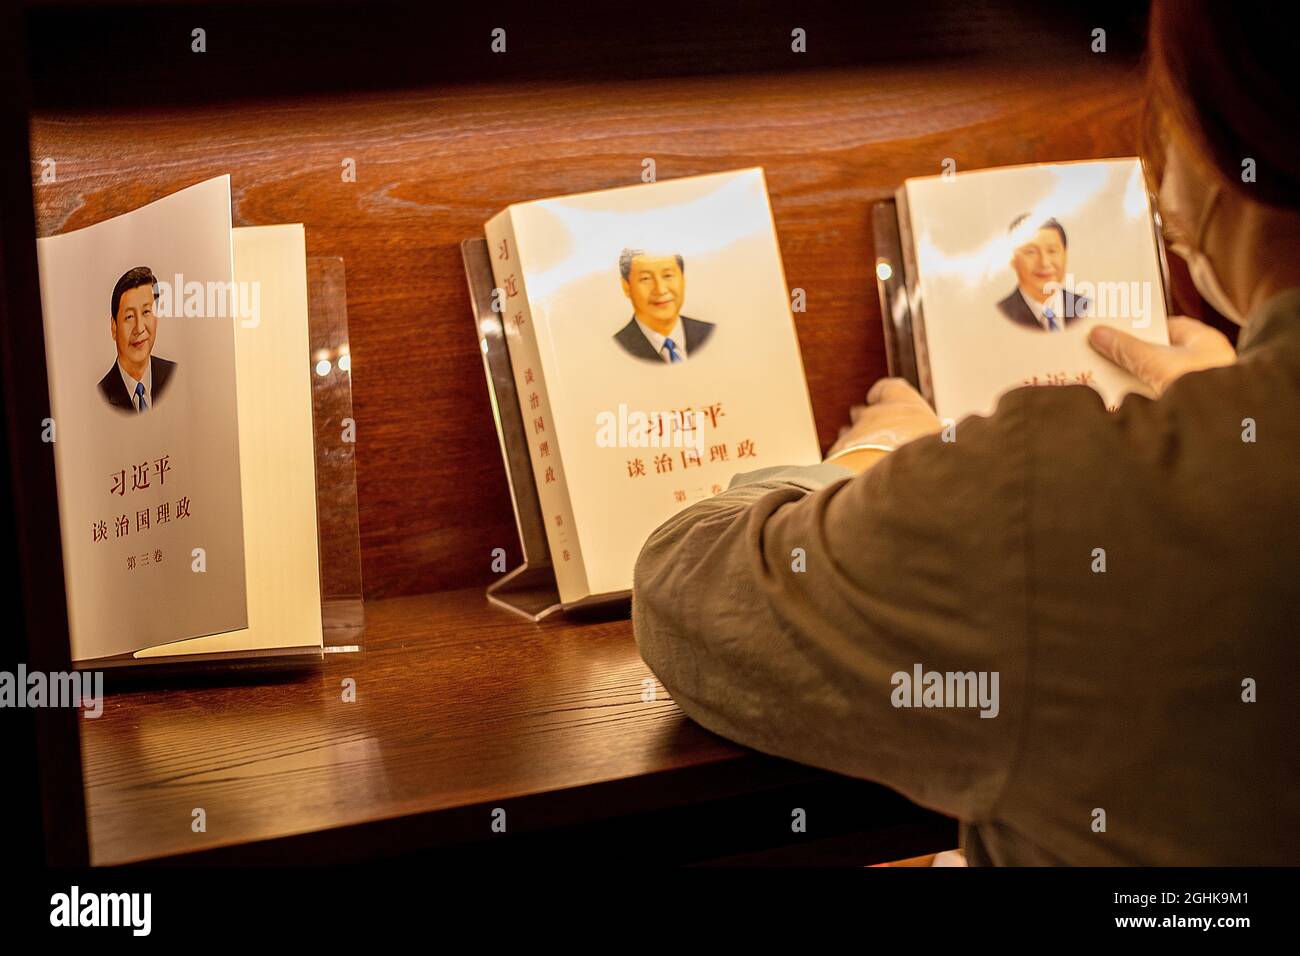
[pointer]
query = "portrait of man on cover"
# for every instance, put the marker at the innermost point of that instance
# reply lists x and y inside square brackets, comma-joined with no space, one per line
[657,331]
[137,378]
[1040,301]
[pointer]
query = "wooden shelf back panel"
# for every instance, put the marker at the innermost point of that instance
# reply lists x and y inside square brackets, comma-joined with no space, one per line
[432,165]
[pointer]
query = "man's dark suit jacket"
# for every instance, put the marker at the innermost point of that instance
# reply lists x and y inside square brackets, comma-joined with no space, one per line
[1017,310]
[114,391]
[634,342]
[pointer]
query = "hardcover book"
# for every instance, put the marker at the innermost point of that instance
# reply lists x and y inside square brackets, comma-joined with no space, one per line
[653,350]
[990,280]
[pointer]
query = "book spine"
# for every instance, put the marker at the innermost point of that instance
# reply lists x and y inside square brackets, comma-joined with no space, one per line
[522,341]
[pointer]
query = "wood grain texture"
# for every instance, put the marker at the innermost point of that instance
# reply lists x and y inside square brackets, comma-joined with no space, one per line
[433,165]
[459,708]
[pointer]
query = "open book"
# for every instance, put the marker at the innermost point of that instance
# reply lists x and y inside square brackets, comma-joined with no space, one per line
[990,280]
[653,353]
[182,430]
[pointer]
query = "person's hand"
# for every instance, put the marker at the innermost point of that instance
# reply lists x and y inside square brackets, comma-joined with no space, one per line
[895,413]
[1193,346]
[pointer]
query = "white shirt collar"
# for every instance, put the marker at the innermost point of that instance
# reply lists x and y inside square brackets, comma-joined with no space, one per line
[130,384]
[677,334]
[1056,301]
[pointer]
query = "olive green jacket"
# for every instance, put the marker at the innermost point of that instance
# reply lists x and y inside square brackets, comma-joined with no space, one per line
[1131,577]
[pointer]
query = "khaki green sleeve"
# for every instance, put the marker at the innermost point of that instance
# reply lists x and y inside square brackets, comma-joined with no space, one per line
[780,613]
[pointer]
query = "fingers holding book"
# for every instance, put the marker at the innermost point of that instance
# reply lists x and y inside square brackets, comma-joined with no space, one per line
[1194,346]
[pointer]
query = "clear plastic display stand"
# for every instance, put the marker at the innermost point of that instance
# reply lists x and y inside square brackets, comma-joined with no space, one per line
[342,606]
[530,589]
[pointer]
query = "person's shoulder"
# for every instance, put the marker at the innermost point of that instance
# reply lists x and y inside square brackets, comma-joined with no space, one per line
[1008,305]
[632,340]
[1026,423]
[628,329]
[113,389]
[162,369]
[106,383]
[162,374]
[697,331]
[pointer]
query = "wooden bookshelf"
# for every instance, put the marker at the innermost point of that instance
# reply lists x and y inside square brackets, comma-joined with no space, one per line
[462,708]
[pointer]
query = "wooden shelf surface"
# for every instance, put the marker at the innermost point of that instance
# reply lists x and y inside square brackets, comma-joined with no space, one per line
[460,708]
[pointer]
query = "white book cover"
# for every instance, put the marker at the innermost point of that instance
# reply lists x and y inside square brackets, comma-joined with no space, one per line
[139,316]
[641,428]
[1013,266]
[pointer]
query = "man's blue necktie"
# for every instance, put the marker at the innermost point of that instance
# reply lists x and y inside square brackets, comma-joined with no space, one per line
[1050,316]
[673,354]
[140,404]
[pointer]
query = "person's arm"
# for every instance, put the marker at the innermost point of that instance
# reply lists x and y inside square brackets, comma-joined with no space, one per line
[779,612]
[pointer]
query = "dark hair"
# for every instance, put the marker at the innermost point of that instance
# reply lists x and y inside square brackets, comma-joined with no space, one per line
[1224,77]
[1048,224]
[626,257]
[133,279]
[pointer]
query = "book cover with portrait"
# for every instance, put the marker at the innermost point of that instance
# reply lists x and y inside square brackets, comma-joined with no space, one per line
[140,314]
[1007,269]
[653,346]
